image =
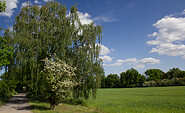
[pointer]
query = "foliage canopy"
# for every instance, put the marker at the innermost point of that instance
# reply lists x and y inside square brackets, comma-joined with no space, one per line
[42,32]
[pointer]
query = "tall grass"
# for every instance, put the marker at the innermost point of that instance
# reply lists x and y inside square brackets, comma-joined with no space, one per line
[140,100]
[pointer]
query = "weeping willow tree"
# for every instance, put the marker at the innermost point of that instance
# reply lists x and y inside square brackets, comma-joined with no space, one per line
[41,32]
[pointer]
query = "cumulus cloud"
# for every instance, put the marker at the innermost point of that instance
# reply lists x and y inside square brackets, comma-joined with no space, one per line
[37,2]
[138,64]
[106,58]
[130,61]
[103,49]
[170,36]
[170,49]
[153,34]
[149,61]
[47,0]
[24,4]
[11,5]
[85,18]
[154,42]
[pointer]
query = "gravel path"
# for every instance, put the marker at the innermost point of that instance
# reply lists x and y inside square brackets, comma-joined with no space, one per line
[17,104]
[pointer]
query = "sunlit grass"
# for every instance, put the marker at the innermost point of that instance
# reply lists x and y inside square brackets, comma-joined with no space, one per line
[140,100]
[125,100]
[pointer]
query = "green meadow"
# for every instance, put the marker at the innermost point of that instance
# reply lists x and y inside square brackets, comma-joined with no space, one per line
[125,100]
[140,100]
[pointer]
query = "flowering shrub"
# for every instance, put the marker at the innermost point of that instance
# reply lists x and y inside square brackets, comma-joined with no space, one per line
[59,76]
[166,82]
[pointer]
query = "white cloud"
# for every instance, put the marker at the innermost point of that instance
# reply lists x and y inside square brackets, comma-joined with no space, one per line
[104,19]
[37,2]
[47,0]
[103,49]
[170,49]
[11,5]
[153,34]
[24,4]
[138,64]
[170,36]
[85,18]
[106,58]
[103,53]
[154,42]
[149,61]
[130,61]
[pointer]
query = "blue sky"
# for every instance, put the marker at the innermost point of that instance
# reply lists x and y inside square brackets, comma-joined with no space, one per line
[140,34]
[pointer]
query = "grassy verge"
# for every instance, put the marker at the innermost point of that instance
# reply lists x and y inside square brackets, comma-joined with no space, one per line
[40,105]
[140,100]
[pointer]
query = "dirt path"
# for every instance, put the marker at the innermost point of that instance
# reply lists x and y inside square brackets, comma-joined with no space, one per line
[17,104]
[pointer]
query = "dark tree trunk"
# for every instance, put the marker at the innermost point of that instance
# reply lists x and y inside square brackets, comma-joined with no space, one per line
[52,103]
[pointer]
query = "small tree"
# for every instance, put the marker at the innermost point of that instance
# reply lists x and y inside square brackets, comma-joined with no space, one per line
[59,80]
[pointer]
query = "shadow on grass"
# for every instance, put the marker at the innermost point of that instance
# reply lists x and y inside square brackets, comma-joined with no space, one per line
[38,107]
[37,103]
[74,102]
[42,104]
[39,99]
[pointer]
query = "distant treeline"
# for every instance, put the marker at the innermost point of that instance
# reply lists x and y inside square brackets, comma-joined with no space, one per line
[152,78]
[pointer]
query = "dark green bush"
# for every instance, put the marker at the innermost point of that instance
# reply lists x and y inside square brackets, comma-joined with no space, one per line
[4,89]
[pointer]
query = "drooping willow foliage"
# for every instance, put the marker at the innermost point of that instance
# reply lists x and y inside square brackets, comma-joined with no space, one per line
[41,31]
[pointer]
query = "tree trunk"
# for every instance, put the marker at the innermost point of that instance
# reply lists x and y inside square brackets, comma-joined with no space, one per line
[52,103]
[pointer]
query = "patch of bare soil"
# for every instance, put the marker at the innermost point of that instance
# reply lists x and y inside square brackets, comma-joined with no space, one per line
[17,104]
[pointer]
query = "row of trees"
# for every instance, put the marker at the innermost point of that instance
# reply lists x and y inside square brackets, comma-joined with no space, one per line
[49,50]
[6,52]
[153,77]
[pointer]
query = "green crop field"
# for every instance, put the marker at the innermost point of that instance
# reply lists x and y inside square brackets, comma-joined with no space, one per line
[140,100]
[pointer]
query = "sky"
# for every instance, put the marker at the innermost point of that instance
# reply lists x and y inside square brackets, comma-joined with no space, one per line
[139,34]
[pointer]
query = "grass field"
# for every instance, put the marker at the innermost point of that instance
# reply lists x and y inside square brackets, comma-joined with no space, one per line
[140,100]
[125,100]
